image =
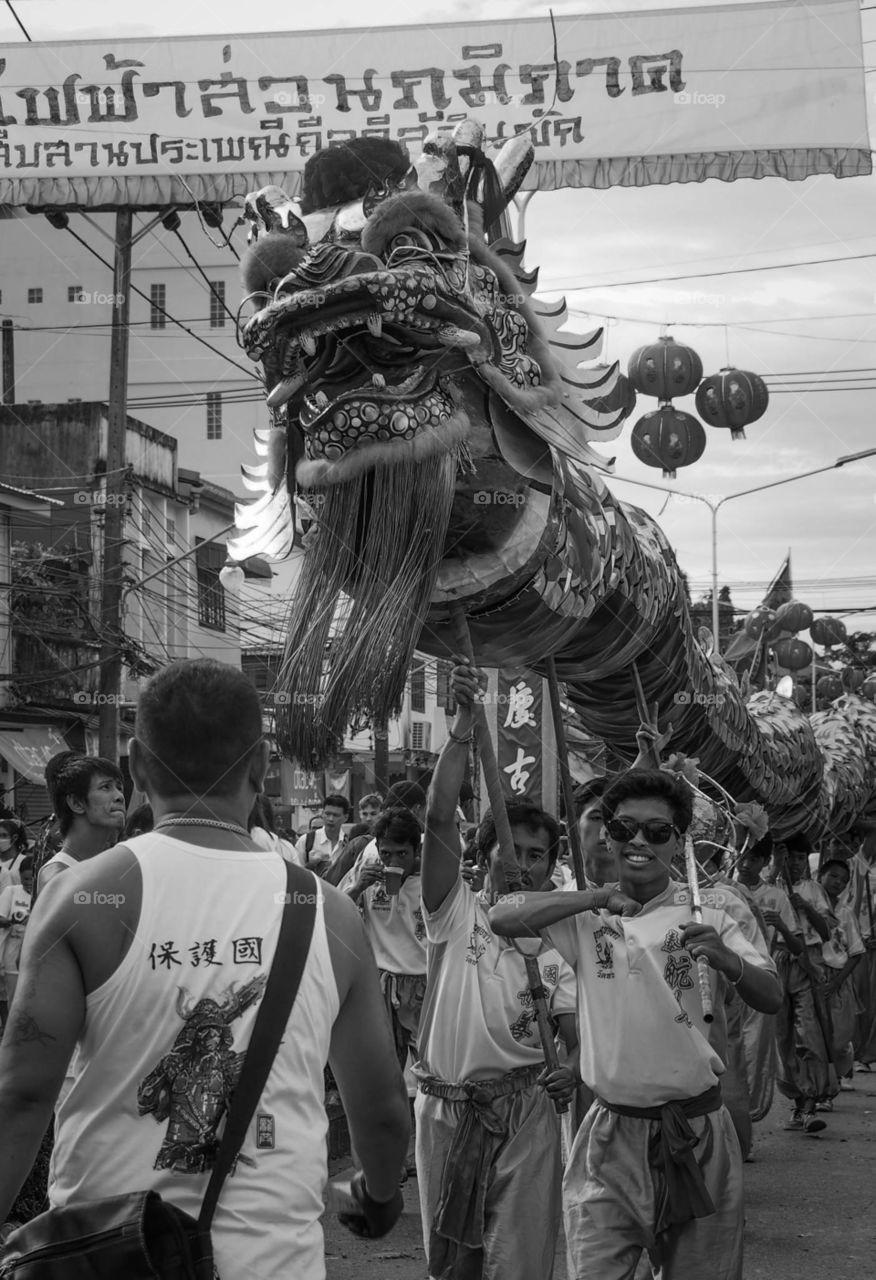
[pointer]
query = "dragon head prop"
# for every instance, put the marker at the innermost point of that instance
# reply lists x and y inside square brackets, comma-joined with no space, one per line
[416,394]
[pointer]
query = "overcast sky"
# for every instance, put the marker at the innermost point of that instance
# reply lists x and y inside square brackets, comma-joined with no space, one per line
[801,318]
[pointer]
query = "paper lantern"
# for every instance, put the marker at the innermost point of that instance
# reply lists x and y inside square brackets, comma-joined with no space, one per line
[792,654]
[668,438]
[794,616]
[665,369]
[853,678]
[829,687]
[868,688]
[758,621]
[232,578]
[828,631]
[732,399]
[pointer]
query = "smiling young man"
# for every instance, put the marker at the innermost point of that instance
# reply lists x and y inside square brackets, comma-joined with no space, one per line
[488,1135]
[656,1164]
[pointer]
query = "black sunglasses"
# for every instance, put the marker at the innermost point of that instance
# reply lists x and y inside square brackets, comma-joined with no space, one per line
[654,830]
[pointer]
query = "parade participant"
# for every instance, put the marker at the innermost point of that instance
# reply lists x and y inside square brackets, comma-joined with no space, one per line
[370,807]
[89,804]
[388,896]
[488,1136]
[861,897]
[346,867]
[13,851]
[263,830]
[784,938]
[842,953]
[803,1073]
[599,865]
[317,848]
[656,1163]
[14,913]
[154,957]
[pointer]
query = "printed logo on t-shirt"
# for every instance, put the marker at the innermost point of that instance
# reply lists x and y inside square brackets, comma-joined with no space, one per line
[477,944]
[605,951]
[192,1085]
[677,970]
[419,925]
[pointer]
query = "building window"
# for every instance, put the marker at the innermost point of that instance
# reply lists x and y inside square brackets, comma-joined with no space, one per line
[74,292]
[214,415]
[34,295]
[418,685]
[217,304]
[157,304]
[171,532]
[211,596]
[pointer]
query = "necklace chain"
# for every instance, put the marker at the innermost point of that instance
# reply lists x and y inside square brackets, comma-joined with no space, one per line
[201,822]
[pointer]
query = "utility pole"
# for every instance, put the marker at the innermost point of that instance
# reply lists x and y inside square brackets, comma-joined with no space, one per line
[114,519]
[8,362]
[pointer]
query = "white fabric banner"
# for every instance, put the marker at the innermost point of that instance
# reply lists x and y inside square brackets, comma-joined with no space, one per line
[677,95]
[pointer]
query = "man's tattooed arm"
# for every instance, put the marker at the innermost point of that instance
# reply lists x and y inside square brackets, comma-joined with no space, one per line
[24,1029]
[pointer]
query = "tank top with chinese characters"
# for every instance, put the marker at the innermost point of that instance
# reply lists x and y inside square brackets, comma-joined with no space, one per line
[162,1050]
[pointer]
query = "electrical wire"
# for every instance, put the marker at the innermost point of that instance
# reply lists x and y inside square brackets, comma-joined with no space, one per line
[249,372]
[18,20]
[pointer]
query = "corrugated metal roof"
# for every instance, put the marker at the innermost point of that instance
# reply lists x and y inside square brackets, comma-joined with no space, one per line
[29,493]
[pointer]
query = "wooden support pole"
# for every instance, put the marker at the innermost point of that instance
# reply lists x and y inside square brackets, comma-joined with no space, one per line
[565,773]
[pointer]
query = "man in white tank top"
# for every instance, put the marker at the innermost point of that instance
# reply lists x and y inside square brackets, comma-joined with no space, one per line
[153,958]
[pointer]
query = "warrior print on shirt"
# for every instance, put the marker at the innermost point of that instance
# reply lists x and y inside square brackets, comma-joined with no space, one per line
[192,1086]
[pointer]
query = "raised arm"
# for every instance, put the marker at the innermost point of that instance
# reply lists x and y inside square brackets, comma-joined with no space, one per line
[440,868]
[525,915]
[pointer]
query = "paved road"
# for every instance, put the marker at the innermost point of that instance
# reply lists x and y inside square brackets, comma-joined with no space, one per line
[810,1206]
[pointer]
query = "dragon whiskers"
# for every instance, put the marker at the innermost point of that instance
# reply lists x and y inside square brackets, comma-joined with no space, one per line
[361,602]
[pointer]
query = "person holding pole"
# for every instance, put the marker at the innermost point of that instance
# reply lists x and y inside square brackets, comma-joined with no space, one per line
[488,1134]
[861,897]
[656,1164]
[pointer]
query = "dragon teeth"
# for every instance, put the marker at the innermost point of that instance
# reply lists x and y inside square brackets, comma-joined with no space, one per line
[378,380]
[375,324]
[450,335]
[308,341]
[321,400]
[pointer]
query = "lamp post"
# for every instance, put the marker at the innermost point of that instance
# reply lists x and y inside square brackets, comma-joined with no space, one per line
[714,507]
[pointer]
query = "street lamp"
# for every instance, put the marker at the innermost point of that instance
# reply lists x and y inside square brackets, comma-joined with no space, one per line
[714,507]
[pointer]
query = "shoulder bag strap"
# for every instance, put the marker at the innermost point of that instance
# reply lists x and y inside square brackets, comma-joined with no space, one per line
[284,979]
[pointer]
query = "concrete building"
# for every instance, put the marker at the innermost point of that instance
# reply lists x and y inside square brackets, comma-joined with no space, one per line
[56,303]
[170,608]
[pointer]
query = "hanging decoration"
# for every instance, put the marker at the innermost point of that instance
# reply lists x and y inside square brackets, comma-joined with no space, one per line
[668,438]
[828,631]
[793,655]
[759,621]
[794,616]
[829,687]
[665,369]
[732,399]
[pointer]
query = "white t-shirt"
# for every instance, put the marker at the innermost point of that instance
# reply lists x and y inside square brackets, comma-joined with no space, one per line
[812,893]
[478,1020]
[769,897]
[321,849]
[14,906]
[855,896]
[845,938]
[395,926]
[644,1041]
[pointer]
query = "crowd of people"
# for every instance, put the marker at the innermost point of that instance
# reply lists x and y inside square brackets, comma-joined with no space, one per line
[138,971]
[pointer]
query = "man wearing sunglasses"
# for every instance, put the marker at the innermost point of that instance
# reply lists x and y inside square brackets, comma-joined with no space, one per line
[656,1164]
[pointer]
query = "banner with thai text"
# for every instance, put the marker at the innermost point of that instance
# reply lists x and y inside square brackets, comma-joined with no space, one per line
[679,95]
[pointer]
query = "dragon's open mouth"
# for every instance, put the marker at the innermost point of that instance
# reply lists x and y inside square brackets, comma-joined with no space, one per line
[366,354]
